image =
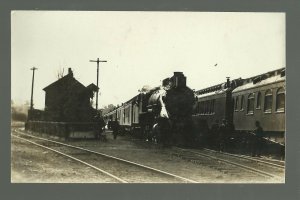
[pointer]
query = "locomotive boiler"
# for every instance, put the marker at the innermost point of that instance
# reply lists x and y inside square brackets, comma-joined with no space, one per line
[162,114]
[169,111]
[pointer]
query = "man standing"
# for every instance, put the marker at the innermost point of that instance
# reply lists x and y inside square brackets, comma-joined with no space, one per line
[223,134]
[99,125]
[214,133]
[115,127]
[258,141]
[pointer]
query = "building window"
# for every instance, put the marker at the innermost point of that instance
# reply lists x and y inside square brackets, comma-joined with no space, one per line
[250,104]
[236,103]
[258,101]
[242,103]
[280,100]
[268,101]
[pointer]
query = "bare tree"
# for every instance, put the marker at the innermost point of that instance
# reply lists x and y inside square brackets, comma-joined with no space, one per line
[60,73]
[19,111]
[108,108]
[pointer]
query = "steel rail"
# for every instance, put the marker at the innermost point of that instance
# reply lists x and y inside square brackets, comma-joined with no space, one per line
[247,158]
[115,158]
[73,158]
[251,169]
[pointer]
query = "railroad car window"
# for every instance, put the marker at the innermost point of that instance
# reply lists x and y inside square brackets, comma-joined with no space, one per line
[258,101]
[124,116]
[128,114]
[206,107]
[268,101]
[212,106]
[133,116]
[202,107]
[242,103]
[280,99]
[236,103]
[250,104]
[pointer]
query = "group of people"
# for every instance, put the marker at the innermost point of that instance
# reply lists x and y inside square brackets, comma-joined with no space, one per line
[224,133]
[99,128]
[221,134]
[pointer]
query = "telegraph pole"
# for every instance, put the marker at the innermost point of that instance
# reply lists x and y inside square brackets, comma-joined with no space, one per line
[31,102]
[97,61]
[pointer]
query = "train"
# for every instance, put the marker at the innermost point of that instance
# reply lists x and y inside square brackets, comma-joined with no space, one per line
[162,114]
[186,116]
[242,103]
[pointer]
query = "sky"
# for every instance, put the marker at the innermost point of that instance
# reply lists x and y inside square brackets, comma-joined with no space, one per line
[141,48]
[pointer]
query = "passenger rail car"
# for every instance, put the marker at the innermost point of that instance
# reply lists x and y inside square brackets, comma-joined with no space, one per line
[109,117]
[261,98]
[213,105]
[127,115]
[241,103]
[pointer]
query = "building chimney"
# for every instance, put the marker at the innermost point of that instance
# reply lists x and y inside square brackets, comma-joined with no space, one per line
[70,71]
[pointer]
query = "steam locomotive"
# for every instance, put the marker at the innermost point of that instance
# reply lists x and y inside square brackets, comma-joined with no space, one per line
[163,114]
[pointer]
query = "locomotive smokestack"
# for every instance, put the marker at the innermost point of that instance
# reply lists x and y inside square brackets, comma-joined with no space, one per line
[178,79]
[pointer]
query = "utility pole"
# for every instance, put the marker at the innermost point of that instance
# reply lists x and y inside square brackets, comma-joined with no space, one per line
[31,102]
[97,61]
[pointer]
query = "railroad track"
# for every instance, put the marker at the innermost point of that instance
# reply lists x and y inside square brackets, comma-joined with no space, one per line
[233,164]
[121,170]
[267,161]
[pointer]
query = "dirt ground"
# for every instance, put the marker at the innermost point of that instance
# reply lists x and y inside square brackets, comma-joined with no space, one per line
[34,164]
